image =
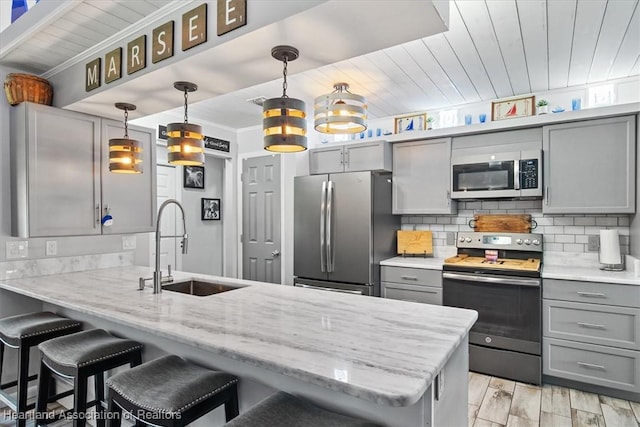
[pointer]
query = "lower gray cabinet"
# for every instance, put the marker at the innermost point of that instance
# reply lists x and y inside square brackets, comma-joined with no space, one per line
[591,333]
[412,284]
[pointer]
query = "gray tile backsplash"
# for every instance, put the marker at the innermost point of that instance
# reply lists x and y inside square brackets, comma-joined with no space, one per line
[562,233]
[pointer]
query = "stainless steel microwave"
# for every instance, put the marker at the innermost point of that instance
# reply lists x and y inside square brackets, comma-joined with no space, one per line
[515,174]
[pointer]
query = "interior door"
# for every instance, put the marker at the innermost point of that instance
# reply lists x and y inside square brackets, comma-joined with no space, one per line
[166,179]
[261,219]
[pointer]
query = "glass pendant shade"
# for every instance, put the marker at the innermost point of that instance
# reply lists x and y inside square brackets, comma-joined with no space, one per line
[185,141]
[125,154]
[284,120]
[340,111]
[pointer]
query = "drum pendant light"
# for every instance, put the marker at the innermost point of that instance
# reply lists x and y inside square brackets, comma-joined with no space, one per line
[340,111]
[284,119]
[185,141]
[125,154]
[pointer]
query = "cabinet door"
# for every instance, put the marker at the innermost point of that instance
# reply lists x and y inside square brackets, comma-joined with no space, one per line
[369,156]
[421,177]
[55,172]
[589,166]
[413,293]
[129,198]
[326,160]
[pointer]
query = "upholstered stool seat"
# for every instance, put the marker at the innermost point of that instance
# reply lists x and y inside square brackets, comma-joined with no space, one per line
[285,410]
[23,332]
[170,391]
[80,356]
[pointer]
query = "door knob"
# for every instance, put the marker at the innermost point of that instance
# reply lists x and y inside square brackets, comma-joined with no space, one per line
[275,253]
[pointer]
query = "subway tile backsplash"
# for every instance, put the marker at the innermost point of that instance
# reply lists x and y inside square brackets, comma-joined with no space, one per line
[562,233]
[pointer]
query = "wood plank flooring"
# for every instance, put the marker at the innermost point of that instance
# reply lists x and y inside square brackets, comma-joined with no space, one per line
[496,402]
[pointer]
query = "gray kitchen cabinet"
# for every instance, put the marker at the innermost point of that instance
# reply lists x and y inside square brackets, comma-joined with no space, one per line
[589,166]
[411,284]
[61,182]
[591,334]
[354,157]
[422,176]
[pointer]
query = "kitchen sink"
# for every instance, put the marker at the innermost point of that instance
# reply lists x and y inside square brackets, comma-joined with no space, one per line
[198,288]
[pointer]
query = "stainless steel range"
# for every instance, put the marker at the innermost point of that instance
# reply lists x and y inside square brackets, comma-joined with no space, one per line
[498,275]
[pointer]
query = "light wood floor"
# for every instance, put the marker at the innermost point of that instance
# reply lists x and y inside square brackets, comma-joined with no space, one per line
[495,402]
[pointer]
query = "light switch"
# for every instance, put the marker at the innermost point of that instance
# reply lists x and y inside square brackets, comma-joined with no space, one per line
[17,249]
[51,248]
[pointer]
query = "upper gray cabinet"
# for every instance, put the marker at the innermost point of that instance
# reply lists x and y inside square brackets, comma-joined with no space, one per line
[589,166]
[61,184]
[421,177]
[364,156]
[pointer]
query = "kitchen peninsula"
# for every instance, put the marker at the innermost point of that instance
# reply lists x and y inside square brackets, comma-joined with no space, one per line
[398,363]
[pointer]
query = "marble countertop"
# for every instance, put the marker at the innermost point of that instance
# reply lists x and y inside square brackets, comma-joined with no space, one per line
[375,349]
[434,263]
[589,274]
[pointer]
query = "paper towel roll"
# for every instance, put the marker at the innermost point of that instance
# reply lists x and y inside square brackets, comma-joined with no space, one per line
[610,247]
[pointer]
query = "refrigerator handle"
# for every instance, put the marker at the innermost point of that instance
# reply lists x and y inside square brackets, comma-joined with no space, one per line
[329,224]
[323,220]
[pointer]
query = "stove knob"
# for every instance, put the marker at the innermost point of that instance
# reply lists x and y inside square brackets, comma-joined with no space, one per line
[527,242]
[468,240]
[536,242]
[519,241]
[461,239]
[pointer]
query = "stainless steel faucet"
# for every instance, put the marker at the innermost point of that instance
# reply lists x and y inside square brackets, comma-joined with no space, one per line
[157,274]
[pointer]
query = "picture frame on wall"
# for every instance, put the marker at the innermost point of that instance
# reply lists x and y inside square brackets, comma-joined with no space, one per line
[411,122]
[513,108]
[210,209]
[193,177]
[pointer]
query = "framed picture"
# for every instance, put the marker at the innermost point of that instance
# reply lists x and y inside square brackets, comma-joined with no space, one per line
[210,209]
[512,108]
[409,123]
[193,177]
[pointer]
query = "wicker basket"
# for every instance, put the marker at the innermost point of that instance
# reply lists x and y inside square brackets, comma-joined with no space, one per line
[25,87]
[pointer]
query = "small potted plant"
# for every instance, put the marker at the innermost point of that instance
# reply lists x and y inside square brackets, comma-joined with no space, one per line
[429,123]
[543,106]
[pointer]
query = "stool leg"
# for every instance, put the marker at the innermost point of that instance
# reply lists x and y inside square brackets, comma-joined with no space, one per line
[44,380]
[231,405]
[1,360]
[115,412]
[80,400]
[99,384]
[23,384]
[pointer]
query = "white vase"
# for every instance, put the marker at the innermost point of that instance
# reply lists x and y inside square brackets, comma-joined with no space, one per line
[543,109]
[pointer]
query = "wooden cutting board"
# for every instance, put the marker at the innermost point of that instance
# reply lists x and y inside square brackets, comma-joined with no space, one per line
[513,223]
[415,242]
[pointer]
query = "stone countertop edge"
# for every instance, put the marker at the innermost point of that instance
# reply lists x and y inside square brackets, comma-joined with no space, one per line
[392,360]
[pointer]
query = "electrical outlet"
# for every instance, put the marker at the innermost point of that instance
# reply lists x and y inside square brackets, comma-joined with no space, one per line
[17,249]
[51,248]
[593,243]
[451,238]
[128,243]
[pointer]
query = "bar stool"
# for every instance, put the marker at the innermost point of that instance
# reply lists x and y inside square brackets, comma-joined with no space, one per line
[23,332]
[79,356]
[285,410]
[169,391]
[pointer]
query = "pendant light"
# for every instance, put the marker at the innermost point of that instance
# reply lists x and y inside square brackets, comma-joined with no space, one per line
[185,141]
[284,119]
[340,111]
[125,154]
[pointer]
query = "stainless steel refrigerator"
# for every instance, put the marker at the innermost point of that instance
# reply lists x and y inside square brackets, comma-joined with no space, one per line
[343,228]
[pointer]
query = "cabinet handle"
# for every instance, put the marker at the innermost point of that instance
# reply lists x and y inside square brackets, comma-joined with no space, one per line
[409,277]
[546,195]
[590,325]
[592,366]
[448,197]
[342,157]
[97,216]
[591,294]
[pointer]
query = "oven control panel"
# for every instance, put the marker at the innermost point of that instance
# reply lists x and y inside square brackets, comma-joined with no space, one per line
[505,241]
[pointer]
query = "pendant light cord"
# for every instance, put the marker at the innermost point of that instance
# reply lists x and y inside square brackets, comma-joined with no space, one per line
[186,106]
[126,123]
[284,74]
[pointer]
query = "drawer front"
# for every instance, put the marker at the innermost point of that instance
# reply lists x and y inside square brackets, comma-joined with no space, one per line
[593,364]
[592,323]
[592,292]
[411,276]
[423,294]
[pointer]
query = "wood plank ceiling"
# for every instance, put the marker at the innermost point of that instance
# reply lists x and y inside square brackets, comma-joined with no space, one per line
[494,49]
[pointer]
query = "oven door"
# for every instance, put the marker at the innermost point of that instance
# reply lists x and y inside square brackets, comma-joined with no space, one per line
[509,308]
